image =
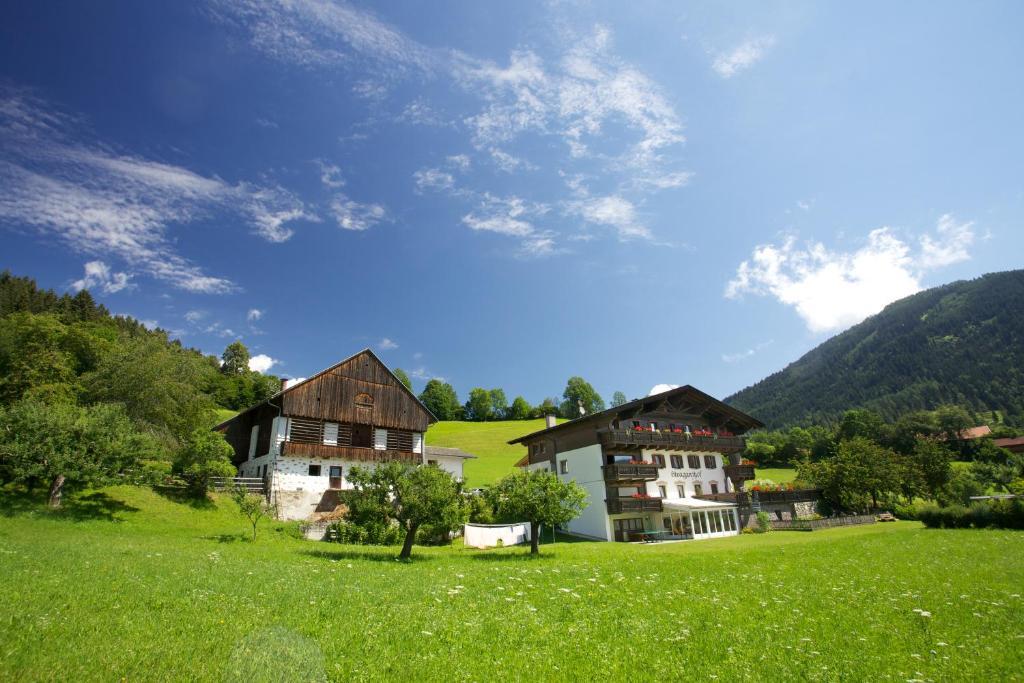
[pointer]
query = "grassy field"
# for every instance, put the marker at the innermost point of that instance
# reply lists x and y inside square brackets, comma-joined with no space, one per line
[129,585]
[780,475]
[488,441]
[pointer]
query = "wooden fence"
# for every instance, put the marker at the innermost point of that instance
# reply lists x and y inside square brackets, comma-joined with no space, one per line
[254,484]
[824,523]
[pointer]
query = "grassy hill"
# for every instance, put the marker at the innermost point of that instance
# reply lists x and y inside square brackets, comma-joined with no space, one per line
[960,343]
[486,440]
[126,584]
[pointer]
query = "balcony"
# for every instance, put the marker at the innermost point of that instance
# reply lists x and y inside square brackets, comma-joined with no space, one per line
[666,440]
[626,472]
[629,504]
[316,450]
[738,474]
[744,498]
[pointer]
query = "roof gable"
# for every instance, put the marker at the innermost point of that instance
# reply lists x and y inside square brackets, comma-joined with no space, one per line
[360,389]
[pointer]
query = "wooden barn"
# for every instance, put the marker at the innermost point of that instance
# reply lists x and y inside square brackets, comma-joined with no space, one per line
[303,440]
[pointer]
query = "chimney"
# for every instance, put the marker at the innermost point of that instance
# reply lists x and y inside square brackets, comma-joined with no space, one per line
[549,421]
[285,382]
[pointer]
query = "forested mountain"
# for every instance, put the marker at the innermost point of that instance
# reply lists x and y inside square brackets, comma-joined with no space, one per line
[961,343]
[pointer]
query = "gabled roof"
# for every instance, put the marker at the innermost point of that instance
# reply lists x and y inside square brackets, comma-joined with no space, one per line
[399,382]
[649,403]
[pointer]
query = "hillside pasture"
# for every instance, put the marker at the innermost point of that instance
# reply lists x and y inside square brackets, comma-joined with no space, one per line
[127,584]
[486,440]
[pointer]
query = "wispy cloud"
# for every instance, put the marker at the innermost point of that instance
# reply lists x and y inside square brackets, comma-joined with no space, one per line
[614,211]
[330,175]
[747,353]
[254,315]
[433,179]
[98,275]
[353,215]
[387,344]
[729,63]
[105,203]
[832,290]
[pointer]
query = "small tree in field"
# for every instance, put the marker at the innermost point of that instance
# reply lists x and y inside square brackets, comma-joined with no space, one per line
[540,498]
[204,456]
[413,497]
[252,506]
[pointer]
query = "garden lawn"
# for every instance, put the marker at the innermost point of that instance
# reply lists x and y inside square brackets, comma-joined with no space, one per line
[488,441]
[780,475]
[129,585]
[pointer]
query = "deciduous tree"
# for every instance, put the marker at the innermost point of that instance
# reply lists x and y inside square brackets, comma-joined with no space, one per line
[521,409]
[578,392]
[538,497]
[440,398]
[403,377]
[618,398]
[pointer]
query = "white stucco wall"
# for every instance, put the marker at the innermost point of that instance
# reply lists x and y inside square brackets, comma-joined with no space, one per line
[584,467]
[671,477]
[449,464]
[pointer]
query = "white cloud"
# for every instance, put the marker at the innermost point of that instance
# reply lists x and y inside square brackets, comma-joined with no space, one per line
[804,205]
[433,179]
[261,362]
[504,215]
[330,175]
[615,211]
[387,344]
[423,374]
[833,290]
[103,203]
[459,161]
[254,314]
[950,245]
[352,215]
[508,163]
[661,388]
[420,113]
[315,32]
[98,275]
[195,316]
[743,56]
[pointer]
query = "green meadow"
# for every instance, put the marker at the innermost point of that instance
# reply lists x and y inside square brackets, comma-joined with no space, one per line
[126,584]
[486,440]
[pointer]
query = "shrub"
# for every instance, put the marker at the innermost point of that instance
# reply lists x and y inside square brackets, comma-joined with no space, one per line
[999,514]
[764,522]
[906,511]
[204,456]
[367,533]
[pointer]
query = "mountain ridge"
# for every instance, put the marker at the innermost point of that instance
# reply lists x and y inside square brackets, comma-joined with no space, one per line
[962,342]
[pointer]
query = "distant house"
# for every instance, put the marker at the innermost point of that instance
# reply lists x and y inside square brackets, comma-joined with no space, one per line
[1014,445]
[657,467]
[304,440]
[978,432]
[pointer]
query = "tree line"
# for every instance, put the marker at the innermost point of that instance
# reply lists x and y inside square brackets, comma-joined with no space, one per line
[865,462]
[482,405]
[87,397]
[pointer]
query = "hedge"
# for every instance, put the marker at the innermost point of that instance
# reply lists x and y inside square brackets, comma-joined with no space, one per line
[995,514]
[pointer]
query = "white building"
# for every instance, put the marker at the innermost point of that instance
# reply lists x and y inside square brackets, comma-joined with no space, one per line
[653,468]
[305,440]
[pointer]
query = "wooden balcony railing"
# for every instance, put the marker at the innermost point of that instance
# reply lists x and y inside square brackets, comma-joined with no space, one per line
[744,498]
[665,440]
[618,505]
[630,472]
[316,450]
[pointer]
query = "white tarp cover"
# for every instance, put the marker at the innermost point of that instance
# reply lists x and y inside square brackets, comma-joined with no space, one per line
[488,535]
[687,504]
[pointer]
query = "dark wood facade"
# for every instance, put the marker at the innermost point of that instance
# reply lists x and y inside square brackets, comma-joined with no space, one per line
[359,394]
[680,408]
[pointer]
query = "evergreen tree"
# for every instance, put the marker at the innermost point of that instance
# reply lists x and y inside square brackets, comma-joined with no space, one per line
[618,398]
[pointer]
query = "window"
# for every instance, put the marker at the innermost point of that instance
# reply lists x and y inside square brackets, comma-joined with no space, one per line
[693,461]
[330,433]
[399,440]
[563,466]
[536,448]
[710,462]
[253,436]
[636,423]
[714,487]
[662,491]
[666,522]
[658,459]
[677,462]
[697,491]
[314,470]
[682,491]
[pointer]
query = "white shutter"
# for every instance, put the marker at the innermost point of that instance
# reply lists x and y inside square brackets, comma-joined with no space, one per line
[252,440]
[417,442]
[330,433]
[280,433]
[380,439]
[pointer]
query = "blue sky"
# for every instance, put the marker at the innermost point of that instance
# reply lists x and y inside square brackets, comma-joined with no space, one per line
[505,196]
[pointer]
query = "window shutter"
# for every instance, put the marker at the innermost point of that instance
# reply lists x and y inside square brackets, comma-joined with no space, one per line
[417,442]
[380,439]
[330,433]
[252,440]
